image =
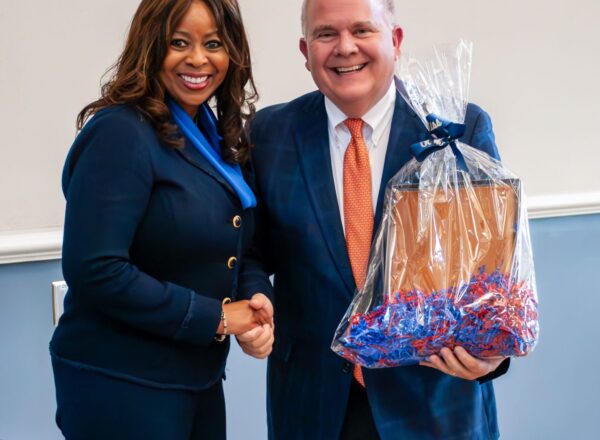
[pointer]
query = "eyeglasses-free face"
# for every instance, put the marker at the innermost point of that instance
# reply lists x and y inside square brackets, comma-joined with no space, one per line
[196,63]
[350,48]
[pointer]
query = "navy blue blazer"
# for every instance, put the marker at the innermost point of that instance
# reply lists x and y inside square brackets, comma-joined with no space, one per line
[149,237]
[303,244]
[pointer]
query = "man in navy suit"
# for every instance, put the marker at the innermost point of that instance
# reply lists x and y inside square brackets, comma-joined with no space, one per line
[350,47]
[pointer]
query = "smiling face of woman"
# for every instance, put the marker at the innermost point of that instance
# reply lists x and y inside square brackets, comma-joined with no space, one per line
[196,63]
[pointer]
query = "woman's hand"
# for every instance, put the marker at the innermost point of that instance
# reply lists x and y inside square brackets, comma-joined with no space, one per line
[459,363]
[241,317]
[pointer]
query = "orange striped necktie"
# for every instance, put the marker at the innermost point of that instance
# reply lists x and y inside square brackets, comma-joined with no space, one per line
[358,208]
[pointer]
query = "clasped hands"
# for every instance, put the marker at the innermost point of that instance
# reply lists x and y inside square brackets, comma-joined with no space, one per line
[251,321]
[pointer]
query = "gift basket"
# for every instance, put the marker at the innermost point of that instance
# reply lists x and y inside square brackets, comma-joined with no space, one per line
[451,263]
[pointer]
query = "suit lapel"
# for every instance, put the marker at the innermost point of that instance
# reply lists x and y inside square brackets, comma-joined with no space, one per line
[406,129]
[193,156]
[312,144]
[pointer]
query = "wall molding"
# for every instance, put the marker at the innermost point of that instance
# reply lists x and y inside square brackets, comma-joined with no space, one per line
[26,246]
[42,245]
[561,205]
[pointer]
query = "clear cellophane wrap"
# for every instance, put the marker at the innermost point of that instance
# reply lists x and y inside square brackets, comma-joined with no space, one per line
[451,264]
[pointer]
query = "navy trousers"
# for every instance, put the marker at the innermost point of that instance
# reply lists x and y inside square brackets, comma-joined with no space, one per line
[92,406]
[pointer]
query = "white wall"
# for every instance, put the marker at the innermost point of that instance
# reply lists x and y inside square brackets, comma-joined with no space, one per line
[535,70]
[52,55]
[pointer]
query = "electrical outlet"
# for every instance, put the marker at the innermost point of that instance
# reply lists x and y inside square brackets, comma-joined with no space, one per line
[59,290]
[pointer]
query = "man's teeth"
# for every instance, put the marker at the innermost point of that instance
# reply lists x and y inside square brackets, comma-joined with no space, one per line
[193,79]
[349,69]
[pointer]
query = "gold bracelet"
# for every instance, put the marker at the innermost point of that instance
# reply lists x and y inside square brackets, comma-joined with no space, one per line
[221,337]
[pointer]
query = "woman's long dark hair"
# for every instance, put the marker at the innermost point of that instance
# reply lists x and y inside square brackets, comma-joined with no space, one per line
[135,76]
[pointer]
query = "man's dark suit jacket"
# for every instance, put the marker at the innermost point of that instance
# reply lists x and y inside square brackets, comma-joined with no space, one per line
[149,237]
[303,244]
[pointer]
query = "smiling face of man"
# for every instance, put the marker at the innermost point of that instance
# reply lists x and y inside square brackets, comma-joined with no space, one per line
[350,47]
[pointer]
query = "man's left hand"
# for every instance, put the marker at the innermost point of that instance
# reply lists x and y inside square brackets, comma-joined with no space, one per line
[459,363]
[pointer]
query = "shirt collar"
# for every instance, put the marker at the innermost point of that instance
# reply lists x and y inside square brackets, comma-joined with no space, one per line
[376,119]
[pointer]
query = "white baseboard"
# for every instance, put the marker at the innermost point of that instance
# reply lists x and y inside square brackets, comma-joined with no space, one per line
[561,205]
[24,246]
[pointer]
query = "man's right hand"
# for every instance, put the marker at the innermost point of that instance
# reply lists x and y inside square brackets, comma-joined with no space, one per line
[263,307]
[257,342]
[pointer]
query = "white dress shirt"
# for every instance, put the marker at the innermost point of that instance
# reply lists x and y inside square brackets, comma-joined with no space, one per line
[376,133]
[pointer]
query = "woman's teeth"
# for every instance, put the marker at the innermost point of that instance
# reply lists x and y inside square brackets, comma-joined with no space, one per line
[194,79]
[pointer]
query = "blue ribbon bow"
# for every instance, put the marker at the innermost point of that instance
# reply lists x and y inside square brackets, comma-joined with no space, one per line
[210,149]
[444,133]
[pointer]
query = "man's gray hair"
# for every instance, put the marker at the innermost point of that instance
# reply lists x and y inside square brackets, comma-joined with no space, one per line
[390,10]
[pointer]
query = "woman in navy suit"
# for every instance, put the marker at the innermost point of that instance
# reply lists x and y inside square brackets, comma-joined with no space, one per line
[158,215]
